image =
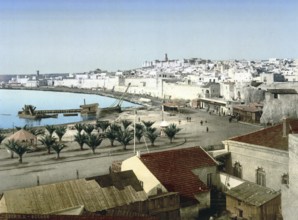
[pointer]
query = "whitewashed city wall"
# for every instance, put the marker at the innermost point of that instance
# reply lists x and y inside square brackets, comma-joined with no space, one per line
[142,82]
[108,83]
[180,91]
[176,91]
[251,157]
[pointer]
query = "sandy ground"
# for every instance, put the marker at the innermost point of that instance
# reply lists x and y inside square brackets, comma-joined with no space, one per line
[76,163]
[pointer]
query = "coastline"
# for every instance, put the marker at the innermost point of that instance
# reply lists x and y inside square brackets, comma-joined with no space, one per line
[112,94]
[133,98]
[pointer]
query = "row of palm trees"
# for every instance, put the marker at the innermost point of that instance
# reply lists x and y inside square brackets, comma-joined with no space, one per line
[122,132]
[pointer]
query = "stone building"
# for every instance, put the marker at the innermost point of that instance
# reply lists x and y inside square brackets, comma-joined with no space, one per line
[267,148]
[191,172]
[279,103]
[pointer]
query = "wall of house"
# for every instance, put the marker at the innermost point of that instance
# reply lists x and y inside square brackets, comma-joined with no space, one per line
[225,181]
[273,161]
[290,191]
[151,184]
[190,212]
[271,209]
[165,206]
[249,212]
[276,108]
[204,171]
[204,199]
[227,90]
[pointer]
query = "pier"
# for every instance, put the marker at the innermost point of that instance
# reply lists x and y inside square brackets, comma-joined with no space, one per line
[58,111]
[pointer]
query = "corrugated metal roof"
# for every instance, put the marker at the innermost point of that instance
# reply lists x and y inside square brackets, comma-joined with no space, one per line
[65,195]
[252,193]
[72,217]
[118,179]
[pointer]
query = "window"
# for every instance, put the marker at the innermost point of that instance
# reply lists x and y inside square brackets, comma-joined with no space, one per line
[261,177]
[238,170]
[285,178]
[209,179]
[275,95]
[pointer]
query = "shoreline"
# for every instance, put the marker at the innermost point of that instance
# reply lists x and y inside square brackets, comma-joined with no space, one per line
[116,95]
[107,93]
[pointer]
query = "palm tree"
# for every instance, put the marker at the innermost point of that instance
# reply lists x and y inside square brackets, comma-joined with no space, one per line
[48,141]
[93,141]
[124,137]
[79,127]
[148,124]
[151,134]
[88,129]
[80,139]
[11,145]
[171,131]
[103,125]
[60,131]
[2,137]
[111,135]
[36,131]
[17,148]
[126,123]
[58,147]
[112,132]
[25,127]
[139,131]
[50,129]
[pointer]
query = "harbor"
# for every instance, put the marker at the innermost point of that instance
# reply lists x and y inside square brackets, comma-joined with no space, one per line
[52,108]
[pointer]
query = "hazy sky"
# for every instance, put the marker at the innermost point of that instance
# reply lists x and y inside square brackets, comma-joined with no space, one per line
[62,36]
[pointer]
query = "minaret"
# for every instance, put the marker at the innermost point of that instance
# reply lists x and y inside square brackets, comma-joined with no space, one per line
[166,57]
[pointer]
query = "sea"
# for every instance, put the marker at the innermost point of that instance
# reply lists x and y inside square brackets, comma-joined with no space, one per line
[12,101]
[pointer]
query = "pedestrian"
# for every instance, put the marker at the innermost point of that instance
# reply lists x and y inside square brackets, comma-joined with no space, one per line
[205,121]
[189,119]
[201,122]
[179,121]
[207,129]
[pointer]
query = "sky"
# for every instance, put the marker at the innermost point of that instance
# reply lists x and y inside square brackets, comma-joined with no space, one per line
[70,36]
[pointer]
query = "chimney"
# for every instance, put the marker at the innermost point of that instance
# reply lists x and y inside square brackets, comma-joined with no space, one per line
[284,127]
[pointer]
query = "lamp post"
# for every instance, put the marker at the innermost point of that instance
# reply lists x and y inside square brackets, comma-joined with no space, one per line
[134,133]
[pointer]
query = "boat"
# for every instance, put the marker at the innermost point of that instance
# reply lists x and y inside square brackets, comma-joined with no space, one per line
[36,116]
[28,112]
[70,114]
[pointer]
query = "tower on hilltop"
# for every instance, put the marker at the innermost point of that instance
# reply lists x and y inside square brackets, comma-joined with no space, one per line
[166,57]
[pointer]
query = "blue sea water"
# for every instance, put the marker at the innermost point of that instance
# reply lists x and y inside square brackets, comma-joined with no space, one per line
[12,101]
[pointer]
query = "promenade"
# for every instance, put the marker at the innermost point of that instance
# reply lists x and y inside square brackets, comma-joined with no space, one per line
[75,163]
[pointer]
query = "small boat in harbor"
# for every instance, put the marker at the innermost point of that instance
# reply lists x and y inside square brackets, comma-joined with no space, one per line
[28,112]
[70,114]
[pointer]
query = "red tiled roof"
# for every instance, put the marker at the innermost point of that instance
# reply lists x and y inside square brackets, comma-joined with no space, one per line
[270,137]
[173,169]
